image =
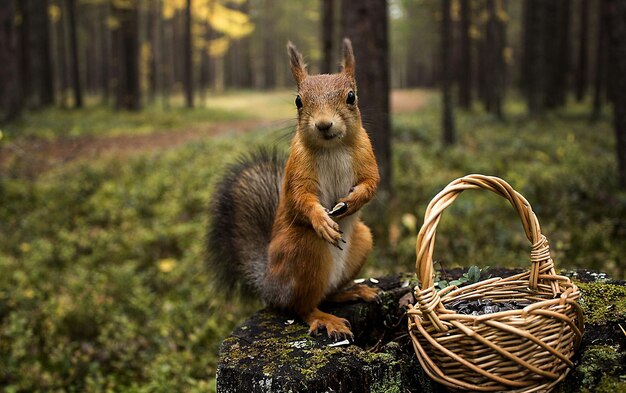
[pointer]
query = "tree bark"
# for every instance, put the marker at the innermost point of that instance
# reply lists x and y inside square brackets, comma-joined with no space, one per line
[601,60]
[449,133]
[188,73]
[465,72]
[617,53]
[10,89]
[558,34]
[493,67]
[328,35]
[546,53]
[43,71]
[583,56]
[365,23]
[25,84]
[105,50]
[269,43]
[128,88]
[75,69]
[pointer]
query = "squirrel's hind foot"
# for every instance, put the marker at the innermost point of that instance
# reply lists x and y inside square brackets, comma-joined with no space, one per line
[337,328]
[357,292]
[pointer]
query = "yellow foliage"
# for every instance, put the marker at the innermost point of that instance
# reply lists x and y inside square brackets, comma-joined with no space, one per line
[167,265]
[54,11]
[218,47]
[507,55]
[235,24]
[171,6]
[124,4]
[113,23]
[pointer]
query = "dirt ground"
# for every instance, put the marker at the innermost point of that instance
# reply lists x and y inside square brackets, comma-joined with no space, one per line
[37,156]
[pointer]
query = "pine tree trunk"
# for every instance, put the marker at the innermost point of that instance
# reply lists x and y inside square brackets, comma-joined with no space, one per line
[328,35]
[10,89]
[365,23]
[449,133]
[128,88]
[493,67]
[25,58]
[583,38]
[465,71]
[247,77]
[75,70]
[154,18]
[105,50]
[61,50]
[559,63]
[601,60]
[269,43]
[617,42]
[188,73]
[44,72]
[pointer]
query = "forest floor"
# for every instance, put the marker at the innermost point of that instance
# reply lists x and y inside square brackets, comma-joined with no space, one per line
[104,285]
[260,111]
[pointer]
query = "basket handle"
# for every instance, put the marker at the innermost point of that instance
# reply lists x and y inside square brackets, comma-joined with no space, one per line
[541,263]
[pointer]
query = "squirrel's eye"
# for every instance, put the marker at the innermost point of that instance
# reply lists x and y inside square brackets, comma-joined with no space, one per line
[299,102]
[351,98]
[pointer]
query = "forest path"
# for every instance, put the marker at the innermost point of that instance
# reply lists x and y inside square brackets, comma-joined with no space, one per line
[38,155]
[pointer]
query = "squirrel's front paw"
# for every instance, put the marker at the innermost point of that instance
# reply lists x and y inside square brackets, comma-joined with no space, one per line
[327,229]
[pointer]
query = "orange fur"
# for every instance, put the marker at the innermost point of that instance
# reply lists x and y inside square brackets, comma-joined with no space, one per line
[299,256]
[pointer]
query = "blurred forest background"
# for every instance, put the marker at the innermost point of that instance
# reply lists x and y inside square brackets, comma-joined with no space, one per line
[118,117]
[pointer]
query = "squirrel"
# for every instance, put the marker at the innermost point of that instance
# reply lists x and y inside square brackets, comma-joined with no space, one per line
[290,231]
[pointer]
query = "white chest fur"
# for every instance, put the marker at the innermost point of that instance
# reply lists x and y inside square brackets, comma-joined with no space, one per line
[336,177]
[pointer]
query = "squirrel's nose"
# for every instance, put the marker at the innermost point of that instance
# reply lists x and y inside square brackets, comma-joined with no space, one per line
[323,125]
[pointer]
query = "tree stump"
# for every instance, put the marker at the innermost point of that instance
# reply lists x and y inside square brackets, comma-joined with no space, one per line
[273,352]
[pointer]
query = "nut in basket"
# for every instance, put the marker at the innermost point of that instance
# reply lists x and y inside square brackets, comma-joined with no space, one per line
[515,350]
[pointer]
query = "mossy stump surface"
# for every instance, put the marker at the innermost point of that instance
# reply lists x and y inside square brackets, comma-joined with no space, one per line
[273,352]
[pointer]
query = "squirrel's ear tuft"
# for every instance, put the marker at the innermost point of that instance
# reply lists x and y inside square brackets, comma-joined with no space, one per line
[348,57]
[298,68]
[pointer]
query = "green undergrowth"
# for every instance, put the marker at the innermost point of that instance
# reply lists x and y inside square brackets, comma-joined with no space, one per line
[103,285]
[100,120]
[564,166]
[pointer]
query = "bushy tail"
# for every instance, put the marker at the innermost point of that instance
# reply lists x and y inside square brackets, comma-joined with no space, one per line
[241,217]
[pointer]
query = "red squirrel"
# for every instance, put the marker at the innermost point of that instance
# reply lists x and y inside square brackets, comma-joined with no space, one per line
[291,231]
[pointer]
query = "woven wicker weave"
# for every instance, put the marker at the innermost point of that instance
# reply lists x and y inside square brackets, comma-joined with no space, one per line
[526,350]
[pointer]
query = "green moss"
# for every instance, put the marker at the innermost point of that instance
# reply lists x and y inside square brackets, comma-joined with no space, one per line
[602,303]
[599,367]
[391,382]
[610,385]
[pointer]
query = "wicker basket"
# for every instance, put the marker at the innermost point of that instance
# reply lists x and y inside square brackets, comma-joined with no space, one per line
[525,350]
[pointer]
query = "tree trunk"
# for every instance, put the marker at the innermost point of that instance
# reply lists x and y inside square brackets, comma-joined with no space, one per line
[617,53]
[546,53]
[188,73]
[560,51]
[25,83]
[583,38]
[269,42]
[128,88]
[465,71]
[493,67]
[449,133]
[62,66]
[328,35]
[75,69]
[43,71]
[105,45]
[365,23]
[601,60]
[247,76]
[10,89]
